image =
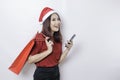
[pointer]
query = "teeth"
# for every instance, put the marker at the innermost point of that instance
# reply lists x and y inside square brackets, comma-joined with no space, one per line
[56,26]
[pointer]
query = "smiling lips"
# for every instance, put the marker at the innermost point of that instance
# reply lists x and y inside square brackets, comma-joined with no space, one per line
[56,26]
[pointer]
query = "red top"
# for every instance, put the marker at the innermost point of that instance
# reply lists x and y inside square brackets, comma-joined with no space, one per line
[40,46]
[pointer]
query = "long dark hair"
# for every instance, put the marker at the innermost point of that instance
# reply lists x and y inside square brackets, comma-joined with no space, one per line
[57,37]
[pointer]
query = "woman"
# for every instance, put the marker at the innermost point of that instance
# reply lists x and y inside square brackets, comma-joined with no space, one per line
[47,51]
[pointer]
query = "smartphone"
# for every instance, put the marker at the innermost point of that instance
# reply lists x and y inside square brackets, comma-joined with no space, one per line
[71,39]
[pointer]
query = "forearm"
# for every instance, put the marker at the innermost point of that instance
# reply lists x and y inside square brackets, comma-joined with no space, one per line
[64,54]
[38,57]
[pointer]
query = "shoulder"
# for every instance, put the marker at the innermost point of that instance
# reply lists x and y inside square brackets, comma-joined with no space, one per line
[39,37]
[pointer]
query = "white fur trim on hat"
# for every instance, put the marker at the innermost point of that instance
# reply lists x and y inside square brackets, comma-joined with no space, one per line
[47,15]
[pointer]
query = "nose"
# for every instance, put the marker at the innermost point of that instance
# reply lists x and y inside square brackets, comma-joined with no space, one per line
[58,22]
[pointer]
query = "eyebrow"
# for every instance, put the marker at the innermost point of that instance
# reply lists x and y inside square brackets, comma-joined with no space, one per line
[55,18]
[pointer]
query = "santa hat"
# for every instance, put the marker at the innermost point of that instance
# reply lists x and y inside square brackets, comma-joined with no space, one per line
[46,12]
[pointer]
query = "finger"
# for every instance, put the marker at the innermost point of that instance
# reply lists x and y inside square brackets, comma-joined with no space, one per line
[46,39]
[69,42]
[66,45]
[51,42]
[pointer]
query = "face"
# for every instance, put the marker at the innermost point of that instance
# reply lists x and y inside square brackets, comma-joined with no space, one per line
[55,23]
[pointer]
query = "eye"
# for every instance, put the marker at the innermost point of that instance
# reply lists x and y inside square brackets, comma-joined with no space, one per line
[53,19]
[58,19]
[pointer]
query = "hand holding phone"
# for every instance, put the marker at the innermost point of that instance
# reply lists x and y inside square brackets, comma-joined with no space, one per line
[72,37]
[70,41]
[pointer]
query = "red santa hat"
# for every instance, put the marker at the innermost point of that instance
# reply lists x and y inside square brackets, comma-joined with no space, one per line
[46,12]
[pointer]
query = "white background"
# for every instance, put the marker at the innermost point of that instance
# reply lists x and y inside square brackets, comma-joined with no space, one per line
[96,51]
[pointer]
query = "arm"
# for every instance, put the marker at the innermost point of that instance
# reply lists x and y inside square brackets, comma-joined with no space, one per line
[38,57]
[65,52]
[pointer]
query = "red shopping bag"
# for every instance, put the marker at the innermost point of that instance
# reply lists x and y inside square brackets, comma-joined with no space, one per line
[21,59]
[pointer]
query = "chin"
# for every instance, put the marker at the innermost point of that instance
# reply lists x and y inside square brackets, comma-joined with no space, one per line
[56,30]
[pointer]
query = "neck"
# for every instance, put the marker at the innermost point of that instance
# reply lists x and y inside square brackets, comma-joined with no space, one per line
[52,33]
